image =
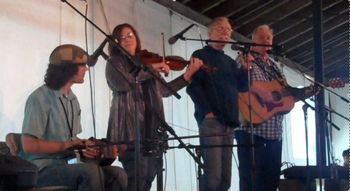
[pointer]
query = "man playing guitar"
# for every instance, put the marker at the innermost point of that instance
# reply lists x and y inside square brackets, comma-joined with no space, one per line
[269,91]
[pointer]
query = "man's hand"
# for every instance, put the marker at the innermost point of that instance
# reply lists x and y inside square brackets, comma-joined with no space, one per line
[193,67]
[209,115]
[246,61]
[91,151]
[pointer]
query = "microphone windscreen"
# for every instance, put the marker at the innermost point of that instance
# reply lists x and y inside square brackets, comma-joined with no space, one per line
[172,40]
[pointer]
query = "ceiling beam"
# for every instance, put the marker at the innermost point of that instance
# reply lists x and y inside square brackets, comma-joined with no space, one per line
[327,40]
[185,1]
[228,8]
[212,5]
[270,15]
[303,14]
[306,37]
[185,11]
[255,11]
[329,54]
[203,5]
[328,50]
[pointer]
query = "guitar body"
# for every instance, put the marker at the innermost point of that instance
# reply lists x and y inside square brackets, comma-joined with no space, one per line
[262,110]
[280,98]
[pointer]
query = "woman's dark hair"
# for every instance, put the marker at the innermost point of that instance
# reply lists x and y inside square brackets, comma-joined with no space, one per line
[112,50]
[58,75]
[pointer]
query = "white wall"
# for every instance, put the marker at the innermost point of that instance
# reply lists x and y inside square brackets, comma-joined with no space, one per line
[341,138]
[31,29]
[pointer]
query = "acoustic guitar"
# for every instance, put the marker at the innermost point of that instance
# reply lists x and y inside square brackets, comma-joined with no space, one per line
[283,99]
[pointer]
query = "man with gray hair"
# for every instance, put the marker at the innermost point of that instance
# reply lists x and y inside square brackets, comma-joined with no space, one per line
[264,173]
[215,93]
[51,125]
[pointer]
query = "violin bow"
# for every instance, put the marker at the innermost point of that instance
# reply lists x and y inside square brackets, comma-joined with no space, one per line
[163,51]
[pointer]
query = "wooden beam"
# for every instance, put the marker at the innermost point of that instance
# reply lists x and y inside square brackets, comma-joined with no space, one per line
[185,11]
[300,40]
[228,8]
[212,5]
[304,14]
[328,50]
[342,32]
[329,54]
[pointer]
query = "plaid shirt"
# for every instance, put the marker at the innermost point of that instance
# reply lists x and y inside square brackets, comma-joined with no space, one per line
[266,71]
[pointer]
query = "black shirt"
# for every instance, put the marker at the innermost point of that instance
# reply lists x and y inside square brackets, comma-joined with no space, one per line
[217,91]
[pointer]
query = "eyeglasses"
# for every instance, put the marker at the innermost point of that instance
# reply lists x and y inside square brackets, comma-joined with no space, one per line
[124,37]
[221,29]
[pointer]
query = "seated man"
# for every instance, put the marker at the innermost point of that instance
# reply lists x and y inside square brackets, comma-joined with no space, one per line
[51,124]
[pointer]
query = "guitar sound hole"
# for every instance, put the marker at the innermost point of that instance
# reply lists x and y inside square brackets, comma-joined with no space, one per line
[276,96]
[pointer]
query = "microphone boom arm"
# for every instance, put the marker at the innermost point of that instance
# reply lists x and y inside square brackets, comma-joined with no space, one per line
[124,52]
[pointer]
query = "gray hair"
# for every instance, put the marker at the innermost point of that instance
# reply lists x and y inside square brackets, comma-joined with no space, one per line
[261,27]
[216,21]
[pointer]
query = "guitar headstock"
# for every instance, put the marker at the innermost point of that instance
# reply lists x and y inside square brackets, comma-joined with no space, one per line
[335,83]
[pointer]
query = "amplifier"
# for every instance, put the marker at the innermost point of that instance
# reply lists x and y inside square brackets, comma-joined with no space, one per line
[312,172]
[296,185]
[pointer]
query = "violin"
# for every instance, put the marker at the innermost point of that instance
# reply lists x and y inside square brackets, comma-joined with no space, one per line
[175,63]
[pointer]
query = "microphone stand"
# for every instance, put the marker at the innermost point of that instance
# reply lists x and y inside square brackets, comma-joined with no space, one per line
[164,125]
[252,141]
[134,61]
[305,107]
[323,87]
[138,66]
[324,107]
[244,47]
[298,70]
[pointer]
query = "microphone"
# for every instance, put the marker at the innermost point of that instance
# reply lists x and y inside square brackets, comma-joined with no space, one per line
[179,35]
[99,51]
[305,106]
[238,48]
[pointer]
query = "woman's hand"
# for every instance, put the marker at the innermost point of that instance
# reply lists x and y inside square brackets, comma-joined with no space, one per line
[194,66]
[161,67]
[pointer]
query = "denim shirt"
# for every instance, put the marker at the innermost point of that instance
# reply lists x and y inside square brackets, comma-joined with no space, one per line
[45,118]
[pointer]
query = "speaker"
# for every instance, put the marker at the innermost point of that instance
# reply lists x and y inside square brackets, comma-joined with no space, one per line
[296,185]
[311,172]
[336,185]
[17,173]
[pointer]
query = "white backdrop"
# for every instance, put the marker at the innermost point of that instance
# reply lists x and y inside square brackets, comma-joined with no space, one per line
[31,29]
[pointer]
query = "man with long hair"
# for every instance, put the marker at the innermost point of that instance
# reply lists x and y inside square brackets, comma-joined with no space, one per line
[51,125]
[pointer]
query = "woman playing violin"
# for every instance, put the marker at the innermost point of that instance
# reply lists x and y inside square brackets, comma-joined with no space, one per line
[137,99]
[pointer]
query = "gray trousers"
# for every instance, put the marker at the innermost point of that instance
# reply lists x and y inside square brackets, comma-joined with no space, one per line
[217,160]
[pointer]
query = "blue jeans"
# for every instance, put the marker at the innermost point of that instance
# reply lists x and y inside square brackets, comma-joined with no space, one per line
[84,177]
[217,160]
[267,163]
